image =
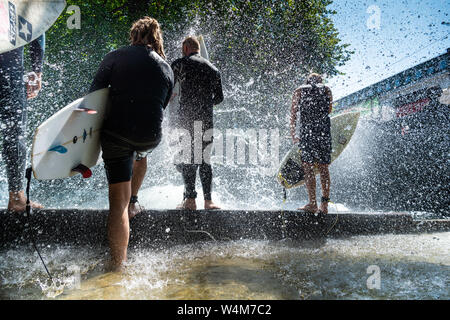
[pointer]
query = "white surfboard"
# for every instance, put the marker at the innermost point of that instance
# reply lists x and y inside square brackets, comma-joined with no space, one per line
[175,102]
[445,96]
[290,173]
[69,141]
[22,21]
[203,50]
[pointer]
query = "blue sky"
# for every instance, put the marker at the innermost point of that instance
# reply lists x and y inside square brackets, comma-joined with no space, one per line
[410,32]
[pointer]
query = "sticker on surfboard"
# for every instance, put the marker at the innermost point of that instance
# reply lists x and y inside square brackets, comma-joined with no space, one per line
[22,21]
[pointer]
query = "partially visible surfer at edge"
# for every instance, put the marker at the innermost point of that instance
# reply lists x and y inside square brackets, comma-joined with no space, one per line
[141,84]
[13,112]
[311,105]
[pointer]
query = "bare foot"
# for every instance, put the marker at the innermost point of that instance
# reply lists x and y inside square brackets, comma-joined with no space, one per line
[323,208]
[310,208]
[134,209]
[211,205]
[18,202]
[188,204]
[113,266]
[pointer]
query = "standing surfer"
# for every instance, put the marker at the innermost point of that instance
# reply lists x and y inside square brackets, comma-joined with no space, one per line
[141,84]
[200,89]
[311,105]
[13,113]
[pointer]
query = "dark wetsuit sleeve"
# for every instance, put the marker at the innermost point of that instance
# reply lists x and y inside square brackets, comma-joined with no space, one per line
[175,69]
[170,81]
[102,78]
[37,50]
[217,88]
[169,94]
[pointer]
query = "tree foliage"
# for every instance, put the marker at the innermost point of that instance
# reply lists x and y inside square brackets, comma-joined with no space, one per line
[264,37]
[271,44]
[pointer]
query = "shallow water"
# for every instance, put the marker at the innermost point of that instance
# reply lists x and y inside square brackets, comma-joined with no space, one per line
[410,267]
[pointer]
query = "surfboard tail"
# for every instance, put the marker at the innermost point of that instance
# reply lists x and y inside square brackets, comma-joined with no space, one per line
[86,110]
[85,171]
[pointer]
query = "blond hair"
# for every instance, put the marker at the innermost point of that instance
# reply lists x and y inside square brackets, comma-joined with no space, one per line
[147,31]
[192,42]
[314,78]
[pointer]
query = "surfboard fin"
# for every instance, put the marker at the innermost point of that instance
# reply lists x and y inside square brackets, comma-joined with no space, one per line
[85,171]
[59,149]
[87,110]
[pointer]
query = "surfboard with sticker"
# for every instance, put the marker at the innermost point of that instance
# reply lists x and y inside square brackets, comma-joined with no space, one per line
[291,174]
[69,141]
[22,21]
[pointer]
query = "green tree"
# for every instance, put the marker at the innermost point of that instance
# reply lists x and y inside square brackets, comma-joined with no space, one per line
[270,44]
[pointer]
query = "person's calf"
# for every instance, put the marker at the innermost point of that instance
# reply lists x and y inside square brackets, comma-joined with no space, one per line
[118,221]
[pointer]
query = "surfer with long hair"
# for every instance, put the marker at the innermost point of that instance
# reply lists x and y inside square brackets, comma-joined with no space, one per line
[141,83]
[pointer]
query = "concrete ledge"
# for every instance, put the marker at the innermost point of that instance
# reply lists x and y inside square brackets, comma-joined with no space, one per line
[154,228]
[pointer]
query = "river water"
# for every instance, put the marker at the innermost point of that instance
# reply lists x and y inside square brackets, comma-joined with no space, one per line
[361,267]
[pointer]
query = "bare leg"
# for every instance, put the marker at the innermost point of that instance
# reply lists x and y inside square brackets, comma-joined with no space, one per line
[118,222]
[18,202]
[310,181]
[139,170]
[325,181]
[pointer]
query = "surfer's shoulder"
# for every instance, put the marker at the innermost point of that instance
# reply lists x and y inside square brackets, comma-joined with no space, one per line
[303,87]
[205,64]
[115,52]
[177,63]
[211,66]
[122,49]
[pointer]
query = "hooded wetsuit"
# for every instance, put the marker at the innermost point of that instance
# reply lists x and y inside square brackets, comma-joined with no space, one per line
[200,90]
[141,84]
[13,109]
[314,126]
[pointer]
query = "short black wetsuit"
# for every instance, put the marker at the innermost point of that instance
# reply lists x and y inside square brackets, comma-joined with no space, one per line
[141,84]
[200,90]
[314,123]
[13,109]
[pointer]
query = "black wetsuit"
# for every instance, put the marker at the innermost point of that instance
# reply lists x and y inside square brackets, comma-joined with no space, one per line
[314,123]
[13,108]
[200,90]
[141,84]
